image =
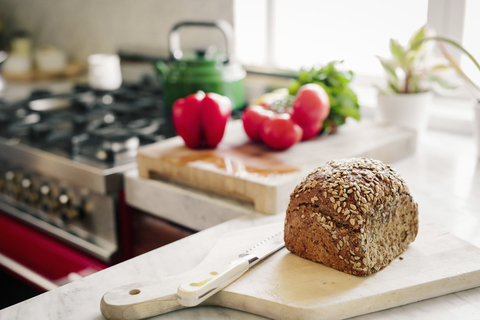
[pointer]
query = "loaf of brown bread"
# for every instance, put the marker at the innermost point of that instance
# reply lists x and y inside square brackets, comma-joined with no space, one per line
[354,215]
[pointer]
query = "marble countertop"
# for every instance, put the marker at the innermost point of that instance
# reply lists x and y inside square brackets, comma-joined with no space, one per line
[444,178]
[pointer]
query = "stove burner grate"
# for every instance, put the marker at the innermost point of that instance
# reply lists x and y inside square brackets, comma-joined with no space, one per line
[106,126]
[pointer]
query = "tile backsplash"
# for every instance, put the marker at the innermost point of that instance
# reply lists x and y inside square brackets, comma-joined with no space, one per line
[83,27]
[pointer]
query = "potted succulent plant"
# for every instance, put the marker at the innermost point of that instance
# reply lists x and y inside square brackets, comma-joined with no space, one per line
[412,72]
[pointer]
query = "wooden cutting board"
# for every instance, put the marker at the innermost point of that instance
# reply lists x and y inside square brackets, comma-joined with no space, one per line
[285,286]
[248,171]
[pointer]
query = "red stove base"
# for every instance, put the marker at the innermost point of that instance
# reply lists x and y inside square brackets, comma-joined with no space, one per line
[31,255]
[44,262]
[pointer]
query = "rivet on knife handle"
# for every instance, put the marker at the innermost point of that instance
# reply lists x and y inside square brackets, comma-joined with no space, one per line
[195,292]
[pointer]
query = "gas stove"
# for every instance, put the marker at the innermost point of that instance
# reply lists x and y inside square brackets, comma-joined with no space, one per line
[62,158]
[88,125]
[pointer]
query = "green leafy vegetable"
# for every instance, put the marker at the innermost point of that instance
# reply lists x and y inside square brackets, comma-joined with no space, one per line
[343,101]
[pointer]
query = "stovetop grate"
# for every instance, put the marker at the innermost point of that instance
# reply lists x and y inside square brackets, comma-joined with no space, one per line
[102,126]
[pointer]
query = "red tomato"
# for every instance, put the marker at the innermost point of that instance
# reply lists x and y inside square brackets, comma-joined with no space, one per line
[310,131]
[280,132]
[252,118]
[311,106]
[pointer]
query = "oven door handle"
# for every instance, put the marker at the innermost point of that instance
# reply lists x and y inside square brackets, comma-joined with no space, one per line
[26,273]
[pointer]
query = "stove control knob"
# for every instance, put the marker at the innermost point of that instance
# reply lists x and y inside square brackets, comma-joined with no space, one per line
[45,200]
[11,188]
[26,183]
[64,199]
[85,207]
[67,212]
[9,175]
[45,190]
[28,196]
[68,215]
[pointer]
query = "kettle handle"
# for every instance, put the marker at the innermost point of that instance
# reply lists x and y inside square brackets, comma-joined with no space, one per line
[174,36]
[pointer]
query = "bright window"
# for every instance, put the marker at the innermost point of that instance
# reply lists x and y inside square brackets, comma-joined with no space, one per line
[292,34]
[250,31]
[471,40]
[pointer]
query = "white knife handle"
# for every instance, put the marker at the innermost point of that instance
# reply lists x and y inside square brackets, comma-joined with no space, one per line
[195,292]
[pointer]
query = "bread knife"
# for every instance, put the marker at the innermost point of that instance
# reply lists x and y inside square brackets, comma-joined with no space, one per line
[149,298]
[192,293]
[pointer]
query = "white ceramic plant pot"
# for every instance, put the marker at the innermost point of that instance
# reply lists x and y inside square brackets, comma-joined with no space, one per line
[476,128]
[406,110]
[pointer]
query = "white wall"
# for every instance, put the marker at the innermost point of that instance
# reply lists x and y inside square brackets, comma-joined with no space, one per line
[83,27]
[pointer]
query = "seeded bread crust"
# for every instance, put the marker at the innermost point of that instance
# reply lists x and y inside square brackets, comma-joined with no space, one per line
[354,215]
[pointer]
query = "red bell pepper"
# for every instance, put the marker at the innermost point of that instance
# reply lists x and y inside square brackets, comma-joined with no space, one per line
[200,119]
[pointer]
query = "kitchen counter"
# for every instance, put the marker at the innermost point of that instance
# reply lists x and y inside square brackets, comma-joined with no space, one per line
[444,178]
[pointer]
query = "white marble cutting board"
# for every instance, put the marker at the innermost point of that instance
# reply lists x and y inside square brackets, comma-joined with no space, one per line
[285,286]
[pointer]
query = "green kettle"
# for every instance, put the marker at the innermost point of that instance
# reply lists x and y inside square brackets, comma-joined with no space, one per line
[207,70]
